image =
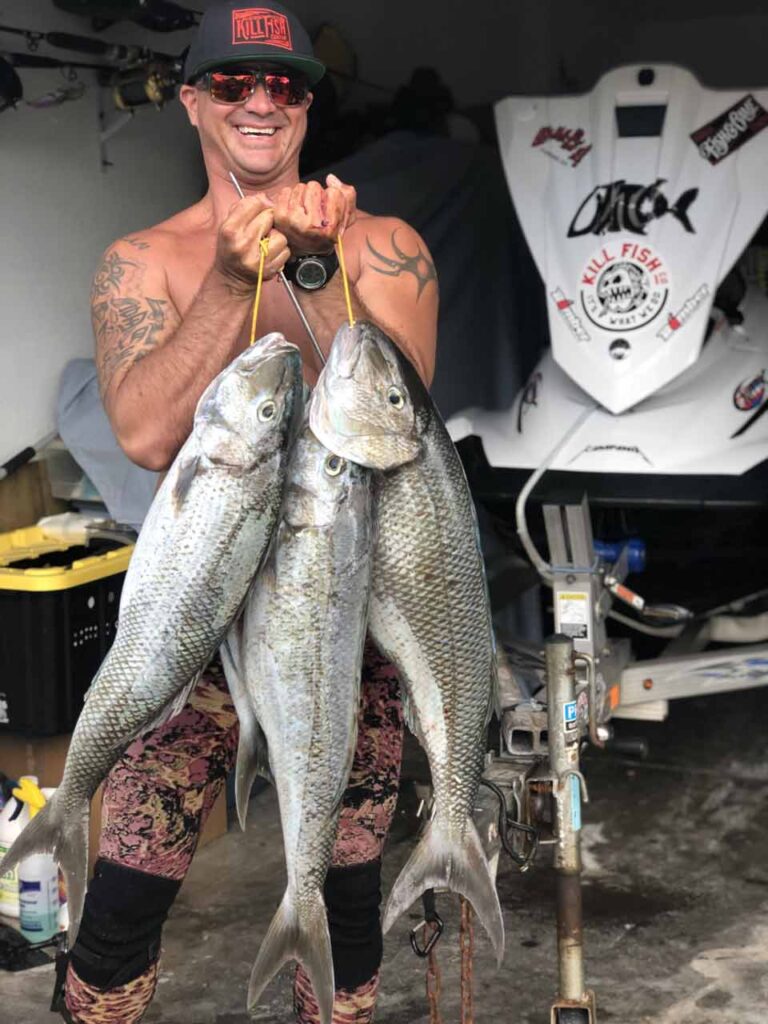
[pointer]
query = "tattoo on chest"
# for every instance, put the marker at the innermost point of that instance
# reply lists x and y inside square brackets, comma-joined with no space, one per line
[418,264]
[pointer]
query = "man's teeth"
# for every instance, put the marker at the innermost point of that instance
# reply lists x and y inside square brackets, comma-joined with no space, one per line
[255,131]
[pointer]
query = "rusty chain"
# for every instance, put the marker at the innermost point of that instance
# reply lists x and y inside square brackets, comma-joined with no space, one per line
[433,984]
[466,945]
[433,978]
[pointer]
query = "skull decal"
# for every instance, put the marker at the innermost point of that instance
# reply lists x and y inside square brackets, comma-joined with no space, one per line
[622,288]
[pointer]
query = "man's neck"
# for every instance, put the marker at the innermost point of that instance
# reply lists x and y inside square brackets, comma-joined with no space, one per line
[222,191]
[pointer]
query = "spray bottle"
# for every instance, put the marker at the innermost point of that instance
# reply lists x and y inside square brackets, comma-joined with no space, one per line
[13,817]
[38,878]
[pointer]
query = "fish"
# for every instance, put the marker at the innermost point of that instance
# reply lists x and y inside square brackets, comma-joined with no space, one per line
[297,653]
[201,544]
[369,411]
[429,611]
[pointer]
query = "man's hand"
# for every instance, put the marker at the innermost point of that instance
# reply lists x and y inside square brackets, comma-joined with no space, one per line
[238,251]
[312,217]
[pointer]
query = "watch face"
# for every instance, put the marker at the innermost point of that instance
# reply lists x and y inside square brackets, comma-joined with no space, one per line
[311,274]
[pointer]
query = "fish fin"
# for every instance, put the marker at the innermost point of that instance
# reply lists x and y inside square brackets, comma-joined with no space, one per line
[173,708]
[443,862]
[66,837]
[186,471]
[177,706]
[301,936]
[252,749]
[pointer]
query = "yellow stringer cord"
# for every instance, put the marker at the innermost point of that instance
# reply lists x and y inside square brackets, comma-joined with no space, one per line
[345,280]
[263,247]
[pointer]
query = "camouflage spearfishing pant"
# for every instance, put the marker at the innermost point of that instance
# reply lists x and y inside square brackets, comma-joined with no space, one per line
[156,800]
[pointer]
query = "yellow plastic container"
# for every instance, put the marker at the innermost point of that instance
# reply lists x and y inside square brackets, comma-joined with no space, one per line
[58,616]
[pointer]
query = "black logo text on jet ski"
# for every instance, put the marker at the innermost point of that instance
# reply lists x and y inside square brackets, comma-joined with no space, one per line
[624,286]
[623,206]
[730,130]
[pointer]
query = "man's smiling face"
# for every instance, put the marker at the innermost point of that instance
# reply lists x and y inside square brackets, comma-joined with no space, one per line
[257,139]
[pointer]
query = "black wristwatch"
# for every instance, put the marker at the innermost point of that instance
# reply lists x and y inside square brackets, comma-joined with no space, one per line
[312,272]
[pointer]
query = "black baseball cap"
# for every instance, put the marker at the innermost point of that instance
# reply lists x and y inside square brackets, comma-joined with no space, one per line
[234,33]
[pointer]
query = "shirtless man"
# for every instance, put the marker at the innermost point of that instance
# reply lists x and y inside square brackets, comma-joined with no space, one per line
[171,308]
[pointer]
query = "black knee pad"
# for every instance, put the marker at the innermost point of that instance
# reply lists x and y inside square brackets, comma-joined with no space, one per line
[353,896]
[124,913]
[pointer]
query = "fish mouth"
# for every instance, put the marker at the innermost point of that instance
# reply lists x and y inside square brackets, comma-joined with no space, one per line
[346,350]
[273,343]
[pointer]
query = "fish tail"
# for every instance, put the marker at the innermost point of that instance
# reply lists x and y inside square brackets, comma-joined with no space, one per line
[442,861]
[680,209]
[297,935]
[252,760]
[66,837]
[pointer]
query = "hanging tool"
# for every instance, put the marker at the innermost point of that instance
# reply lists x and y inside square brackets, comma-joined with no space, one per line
[26,455]
[115,53]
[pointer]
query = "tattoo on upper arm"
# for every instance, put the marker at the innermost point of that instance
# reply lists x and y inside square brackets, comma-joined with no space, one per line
[418,264]
[127,326]
[137,242]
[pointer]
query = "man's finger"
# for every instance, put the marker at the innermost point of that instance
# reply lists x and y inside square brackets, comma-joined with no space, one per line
[277,242]
[262,224]
[314,204]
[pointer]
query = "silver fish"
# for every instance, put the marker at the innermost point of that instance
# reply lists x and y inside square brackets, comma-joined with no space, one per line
[297,653]
[429,613]
[362,401]
[201,544]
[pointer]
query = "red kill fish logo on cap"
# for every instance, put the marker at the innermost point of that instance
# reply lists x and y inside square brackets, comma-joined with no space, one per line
[261,25]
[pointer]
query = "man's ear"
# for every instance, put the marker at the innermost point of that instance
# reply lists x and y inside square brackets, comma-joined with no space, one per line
[310,97]
[188,95]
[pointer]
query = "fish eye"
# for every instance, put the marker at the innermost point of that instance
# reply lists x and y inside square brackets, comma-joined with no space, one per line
[395,397]
[266,411]
[333,465]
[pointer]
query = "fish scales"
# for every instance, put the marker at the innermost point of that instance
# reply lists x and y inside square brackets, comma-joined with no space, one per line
[429,611]
[297,654]
[199,549]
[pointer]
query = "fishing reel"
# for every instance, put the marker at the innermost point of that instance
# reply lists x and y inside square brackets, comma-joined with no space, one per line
[154,83]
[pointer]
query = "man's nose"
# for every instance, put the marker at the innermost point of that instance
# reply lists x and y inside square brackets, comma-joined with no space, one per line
[260,102]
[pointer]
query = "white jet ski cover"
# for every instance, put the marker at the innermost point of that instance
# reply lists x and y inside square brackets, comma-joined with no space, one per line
[636,200]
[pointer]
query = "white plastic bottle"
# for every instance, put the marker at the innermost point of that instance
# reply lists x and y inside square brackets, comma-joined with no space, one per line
[13,818]
[38,878]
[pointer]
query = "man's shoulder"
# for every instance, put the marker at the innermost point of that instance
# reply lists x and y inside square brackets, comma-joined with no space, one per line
[156,243]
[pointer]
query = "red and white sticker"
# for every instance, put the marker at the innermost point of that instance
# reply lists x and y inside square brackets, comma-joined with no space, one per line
[261,25]
[624,286]
[564,307]
[750,393]
[568,146]
[676,319]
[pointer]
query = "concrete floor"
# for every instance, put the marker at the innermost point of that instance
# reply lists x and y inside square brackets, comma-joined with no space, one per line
[675,897]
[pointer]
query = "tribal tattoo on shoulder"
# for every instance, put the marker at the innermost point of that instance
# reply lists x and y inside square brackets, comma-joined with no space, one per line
[418,264]
[127,326]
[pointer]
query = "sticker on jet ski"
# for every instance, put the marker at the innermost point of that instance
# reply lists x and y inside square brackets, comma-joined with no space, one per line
[625,285]
[730,130]
[565,309]
[626,449]
[623,206]
[676,319]
[529,397]
[750,393]
[571,141]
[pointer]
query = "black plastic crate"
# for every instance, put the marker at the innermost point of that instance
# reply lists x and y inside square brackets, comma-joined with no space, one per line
[58,616]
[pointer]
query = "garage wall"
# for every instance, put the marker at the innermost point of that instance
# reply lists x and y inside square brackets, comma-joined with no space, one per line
[58,211]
